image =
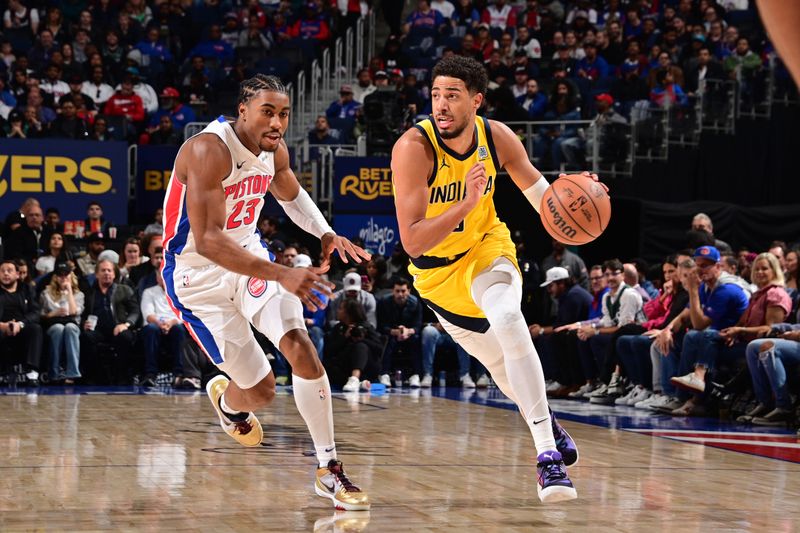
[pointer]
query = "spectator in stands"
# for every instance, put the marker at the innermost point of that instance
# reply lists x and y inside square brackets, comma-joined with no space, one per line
[778,249]
[558,350]
[592,67]
[667,93]
[230,29]
[279,29]
[705,69]
[165,133]
[665,63]
[52,220]
[353,348]
[702,222]
[131,257]
[363,86]
[377,271]
[16,127]
[322,133]
[484,42]
[424,22]
[29,239]
[94,247]
[575,148]
[52,84]
[434,338]
[55,253]
[75,83]
[96,88]
[393,56]
[156,225]
[743,62]
[792,267]
[161,328]
[125,103]
[156,254]
[170,105]
[16,218]
[465,17]
[563,65]
[533,101]
[345,107]
[99,130]
[95,221]
[62,304]
[634,351]
[529,44]
[68,125]
[252,35]
[41,53]
[630,277]
[352,289]
[20,332]
[622,306]
[713,307]
[400,317]
[20,22]
[767,360]
[520,85]
[35,128]
[311,25]
[213,47]
[562,257]
[41,115]
[500,16]
[153,47]
[114,309]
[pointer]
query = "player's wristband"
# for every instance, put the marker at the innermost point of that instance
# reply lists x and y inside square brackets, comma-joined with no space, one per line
[535,192]
[306,214]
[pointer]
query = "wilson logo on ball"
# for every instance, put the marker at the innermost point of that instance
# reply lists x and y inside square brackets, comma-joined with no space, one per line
[256,287]
[559,222]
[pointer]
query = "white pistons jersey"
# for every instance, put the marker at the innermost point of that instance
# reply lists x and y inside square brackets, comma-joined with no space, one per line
[244,190]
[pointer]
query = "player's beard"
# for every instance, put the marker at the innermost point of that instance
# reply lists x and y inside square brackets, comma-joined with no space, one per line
[452,133]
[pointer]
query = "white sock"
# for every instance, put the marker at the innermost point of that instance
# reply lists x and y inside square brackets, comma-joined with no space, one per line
[225,409]
[500,302]
[313,399]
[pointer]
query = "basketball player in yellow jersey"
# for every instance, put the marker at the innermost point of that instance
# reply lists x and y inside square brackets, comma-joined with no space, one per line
[463,260]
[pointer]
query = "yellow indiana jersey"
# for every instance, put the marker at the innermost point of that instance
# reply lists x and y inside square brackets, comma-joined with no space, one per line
[443,275]
[446,186]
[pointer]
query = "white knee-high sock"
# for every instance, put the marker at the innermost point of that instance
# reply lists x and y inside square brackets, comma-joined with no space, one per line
[313,399]
[500,302]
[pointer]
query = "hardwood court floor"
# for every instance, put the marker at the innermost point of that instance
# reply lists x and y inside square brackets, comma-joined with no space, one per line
[161,463]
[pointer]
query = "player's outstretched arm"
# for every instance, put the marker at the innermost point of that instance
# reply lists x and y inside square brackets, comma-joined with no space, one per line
[412,163]
[303,212]
[204,162]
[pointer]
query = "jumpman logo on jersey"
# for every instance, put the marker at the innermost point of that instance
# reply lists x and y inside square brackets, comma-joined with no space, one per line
[444,163]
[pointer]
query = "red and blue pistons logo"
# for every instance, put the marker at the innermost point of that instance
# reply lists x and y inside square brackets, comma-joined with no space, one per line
[256,287]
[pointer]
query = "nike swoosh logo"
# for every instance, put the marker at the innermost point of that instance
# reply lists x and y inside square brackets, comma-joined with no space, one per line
[239,165]
[330,488]
[540,421]
[329,450]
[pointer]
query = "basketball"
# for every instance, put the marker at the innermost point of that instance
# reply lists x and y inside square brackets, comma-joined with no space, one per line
[575,209]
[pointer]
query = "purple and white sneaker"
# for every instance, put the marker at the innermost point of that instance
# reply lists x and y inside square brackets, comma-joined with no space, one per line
[554,484]
[564,443]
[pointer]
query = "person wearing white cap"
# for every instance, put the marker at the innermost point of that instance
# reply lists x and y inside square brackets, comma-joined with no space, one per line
[351,288]
[573,305]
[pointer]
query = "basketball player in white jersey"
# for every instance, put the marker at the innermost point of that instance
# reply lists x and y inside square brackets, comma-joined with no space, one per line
[220,278]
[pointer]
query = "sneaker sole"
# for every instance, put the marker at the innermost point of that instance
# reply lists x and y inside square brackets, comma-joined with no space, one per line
[556,494]
[686,386]
[256,427]
[339,504]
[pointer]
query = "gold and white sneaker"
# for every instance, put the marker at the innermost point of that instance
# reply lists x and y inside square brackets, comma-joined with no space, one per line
[332,482]
[246,432]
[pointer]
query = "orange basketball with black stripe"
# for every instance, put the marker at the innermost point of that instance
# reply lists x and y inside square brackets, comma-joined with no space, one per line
[575,209]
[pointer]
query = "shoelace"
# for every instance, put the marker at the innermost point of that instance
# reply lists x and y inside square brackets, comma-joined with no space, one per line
[552,471]
[337,471]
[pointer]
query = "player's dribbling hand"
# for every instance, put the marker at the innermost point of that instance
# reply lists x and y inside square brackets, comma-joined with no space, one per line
[303,283]
[589,175]
[475,184]
[331,242]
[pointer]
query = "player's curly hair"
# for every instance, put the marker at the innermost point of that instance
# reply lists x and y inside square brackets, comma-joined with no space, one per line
[466,69]
[260,82]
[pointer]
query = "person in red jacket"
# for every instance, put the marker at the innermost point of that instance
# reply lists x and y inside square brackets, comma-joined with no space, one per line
[311,25]
[126,103]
